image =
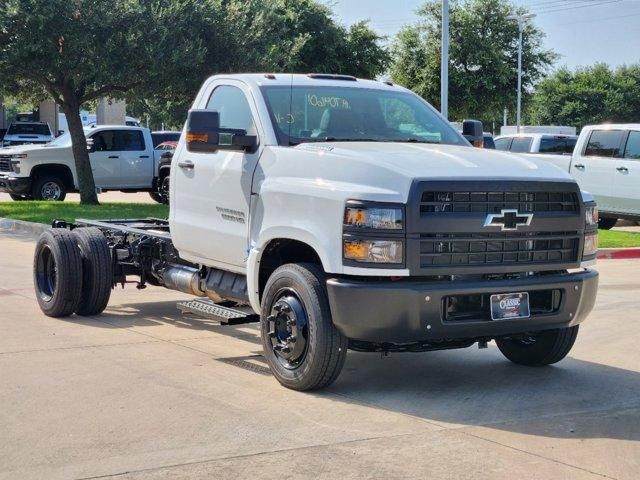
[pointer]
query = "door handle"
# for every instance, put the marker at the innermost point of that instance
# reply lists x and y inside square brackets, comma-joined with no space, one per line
[113,156]
[579,166]
[186,164]
[623,169]
[144,156]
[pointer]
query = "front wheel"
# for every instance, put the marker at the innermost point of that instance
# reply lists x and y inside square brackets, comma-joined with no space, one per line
[538,348]
[303,348]
[49,187]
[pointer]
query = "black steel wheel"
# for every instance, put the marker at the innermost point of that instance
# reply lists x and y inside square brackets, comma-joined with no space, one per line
[303,348]
[57,273]
[539,348]
[97,270]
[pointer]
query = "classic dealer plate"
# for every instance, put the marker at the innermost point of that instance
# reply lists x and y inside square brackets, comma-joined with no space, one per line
[510,305]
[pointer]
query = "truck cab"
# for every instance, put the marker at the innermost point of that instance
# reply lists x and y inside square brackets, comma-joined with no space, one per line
[344,213]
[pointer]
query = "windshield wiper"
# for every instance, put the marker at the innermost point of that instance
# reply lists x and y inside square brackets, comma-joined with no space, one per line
[415,140]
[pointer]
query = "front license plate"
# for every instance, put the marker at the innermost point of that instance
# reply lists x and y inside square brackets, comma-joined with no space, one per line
[510,305]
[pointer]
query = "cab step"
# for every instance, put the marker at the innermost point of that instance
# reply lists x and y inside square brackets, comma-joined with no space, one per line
[226,312]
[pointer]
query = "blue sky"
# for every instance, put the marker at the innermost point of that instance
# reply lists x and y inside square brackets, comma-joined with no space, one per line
[581,31]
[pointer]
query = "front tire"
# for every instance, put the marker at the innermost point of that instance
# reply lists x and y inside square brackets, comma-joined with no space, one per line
[303,348]
[539,348]
[57,273]
[49,188]
[607,223]
[97,270]
[19,198]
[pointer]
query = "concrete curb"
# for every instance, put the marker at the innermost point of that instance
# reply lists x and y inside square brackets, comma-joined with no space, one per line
[618,253]
[20,226]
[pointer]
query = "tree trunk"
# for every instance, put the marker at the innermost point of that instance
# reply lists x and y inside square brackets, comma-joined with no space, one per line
[86,183]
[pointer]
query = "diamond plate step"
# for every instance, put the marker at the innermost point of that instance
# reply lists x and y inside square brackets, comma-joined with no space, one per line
[224,314]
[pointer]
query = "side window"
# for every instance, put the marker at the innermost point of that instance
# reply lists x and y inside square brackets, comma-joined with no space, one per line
[571,144]
[604,143]
[553,145]
[231,103]
[633,146]
[128,141]
[503,143]
[521,144]
[103,141]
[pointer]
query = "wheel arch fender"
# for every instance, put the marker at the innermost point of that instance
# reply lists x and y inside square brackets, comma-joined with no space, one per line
[65,173]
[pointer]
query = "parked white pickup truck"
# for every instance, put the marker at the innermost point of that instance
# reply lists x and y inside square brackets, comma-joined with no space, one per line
[122,158]
[606,163]
[27,133]
[345,214]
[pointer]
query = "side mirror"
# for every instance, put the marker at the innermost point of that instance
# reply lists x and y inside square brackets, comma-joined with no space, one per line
[90,146]
[205,135]
[472,131]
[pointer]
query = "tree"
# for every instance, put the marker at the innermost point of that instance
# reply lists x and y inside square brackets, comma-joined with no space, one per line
[264,35]
[589,95]
[77,51]
[482,55]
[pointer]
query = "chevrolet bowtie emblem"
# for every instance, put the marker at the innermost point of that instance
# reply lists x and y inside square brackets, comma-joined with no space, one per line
[508,219]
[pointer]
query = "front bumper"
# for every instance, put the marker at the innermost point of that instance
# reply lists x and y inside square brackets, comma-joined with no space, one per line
[15,185]
[408,311]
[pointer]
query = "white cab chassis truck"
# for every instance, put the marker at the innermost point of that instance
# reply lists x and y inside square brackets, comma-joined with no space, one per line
[345,214]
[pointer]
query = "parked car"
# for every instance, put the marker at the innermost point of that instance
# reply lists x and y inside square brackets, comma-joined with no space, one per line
[27,133]
[548,144]
[164,136]
[341,214]
[122,158]
[167,146]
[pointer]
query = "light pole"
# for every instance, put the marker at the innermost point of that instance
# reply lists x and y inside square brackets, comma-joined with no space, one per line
[444,61]
[521,19]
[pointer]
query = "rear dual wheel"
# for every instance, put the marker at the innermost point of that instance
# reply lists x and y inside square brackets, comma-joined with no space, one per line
[72,272]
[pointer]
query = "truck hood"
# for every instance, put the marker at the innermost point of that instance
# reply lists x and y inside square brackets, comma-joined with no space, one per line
[415,160]
[20,149]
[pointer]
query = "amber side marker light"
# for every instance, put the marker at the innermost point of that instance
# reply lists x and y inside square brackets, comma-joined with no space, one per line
[197,137]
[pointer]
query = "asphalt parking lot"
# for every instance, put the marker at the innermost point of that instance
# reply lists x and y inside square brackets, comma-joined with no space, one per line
[144,392]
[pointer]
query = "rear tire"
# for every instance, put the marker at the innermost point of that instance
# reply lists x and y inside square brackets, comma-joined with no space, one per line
[57,273]
[97,270]
[156,197]
[539,348]
[303,348]
[49,188]
[607,223]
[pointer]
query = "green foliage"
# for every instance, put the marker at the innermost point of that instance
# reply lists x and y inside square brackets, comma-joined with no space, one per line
[254,36]
[588,95]
[46,212]
[618,239]
[483,57]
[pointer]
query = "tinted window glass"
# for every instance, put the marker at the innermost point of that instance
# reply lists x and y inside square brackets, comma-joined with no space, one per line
[503,143]
[29,129]
[118,141]
[319,114]
[521,144]
[159,138]
[488,142]
[231,103]
[604,143]
[633,146]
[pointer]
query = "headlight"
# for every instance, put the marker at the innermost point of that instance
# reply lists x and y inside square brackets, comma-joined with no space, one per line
[385,218]
[373,251]
[590,245]
[591,216]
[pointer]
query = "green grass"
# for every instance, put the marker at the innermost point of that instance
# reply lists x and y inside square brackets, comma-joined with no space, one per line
[616,239]
[46,212]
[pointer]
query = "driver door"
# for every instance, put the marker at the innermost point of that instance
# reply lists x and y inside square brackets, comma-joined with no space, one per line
[210,207]
[105,159]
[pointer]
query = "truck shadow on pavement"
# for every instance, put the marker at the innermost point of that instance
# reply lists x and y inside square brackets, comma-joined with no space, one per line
[457,388]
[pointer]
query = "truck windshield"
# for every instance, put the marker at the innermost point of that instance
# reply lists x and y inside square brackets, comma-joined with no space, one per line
[29,129]
[333,114]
